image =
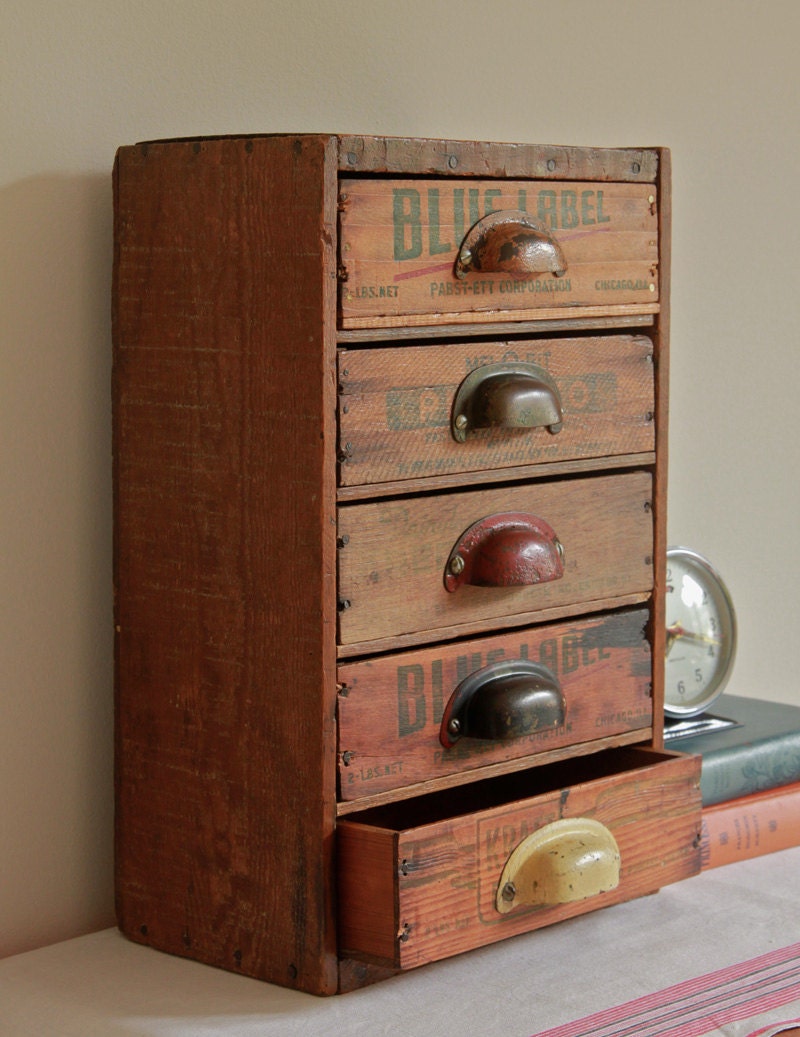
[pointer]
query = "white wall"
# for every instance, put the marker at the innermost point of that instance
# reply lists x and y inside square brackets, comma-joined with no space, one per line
[717,80]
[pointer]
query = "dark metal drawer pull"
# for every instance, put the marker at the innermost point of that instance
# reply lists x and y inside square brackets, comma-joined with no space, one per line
[502,701]
[506,395]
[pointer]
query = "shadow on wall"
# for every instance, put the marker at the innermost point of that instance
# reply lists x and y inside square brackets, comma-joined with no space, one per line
[56,709]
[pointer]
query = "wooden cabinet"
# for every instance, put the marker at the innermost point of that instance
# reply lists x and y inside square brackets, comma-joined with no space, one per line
[390,425]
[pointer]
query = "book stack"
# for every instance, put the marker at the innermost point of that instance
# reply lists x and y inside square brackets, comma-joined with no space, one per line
[749,777]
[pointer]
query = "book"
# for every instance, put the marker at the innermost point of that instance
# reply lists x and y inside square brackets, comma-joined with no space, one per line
[758,749]
[750,826]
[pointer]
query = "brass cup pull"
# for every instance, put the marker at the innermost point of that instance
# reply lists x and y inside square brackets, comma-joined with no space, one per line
[510,242]
[506,395]
[512,549]
[570,859]
[502,701]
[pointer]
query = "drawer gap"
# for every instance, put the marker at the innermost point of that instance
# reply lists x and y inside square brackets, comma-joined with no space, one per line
[491,329]
[496,480]
[452,633]
[588,612]
[466,779]
[560,317]
[497,477]
[442,804]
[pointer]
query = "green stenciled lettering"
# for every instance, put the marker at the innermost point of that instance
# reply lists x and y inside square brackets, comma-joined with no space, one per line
[522,199]
[570,654]
[465,665]
[488,200]
[458,213]
[569,209]
[410,699]
[407,216]
[471,362]
[547,208]
[600,217]
[493,845]
[548,654]
[587,208]
[474,211]
[437,685]
[437,246]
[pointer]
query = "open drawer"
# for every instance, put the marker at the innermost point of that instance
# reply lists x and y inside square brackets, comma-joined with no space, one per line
[426,878]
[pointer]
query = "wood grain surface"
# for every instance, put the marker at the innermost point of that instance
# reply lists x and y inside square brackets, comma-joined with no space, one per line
[223,390]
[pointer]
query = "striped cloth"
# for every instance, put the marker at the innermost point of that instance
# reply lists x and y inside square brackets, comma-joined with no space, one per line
[706,1005]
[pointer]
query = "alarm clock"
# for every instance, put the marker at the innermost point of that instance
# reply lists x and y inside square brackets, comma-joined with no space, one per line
[701,634]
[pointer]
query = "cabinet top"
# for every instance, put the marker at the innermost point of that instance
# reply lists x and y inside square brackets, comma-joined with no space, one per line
[421,155]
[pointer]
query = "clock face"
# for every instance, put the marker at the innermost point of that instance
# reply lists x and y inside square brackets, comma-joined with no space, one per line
[701,634]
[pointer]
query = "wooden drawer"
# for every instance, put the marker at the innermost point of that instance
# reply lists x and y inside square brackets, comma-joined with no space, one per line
[419,880]
[397,418]
[391,707]
[400,241]
[394,555]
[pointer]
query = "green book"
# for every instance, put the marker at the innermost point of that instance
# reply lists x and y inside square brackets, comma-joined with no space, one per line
[759,748]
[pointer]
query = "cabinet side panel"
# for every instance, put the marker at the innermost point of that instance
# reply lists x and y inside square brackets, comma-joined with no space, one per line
[223,318]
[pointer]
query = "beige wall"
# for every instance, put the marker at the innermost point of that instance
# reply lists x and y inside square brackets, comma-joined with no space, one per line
[715,80]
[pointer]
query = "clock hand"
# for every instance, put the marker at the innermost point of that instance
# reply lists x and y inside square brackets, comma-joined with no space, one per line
[677,631]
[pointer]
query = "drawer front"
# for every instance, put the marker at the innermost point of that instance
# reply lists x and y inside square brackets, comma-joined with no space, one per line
[395,552]
[391,707]
[400,241]
[397,407]
[412,893]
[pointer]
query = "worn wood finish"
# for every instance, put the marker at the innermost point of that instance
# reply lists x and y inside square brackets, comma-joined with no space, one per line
[399,241]
[391,568]
[447,863]
[223,390]
[391,706]
[399,155]
[396,406]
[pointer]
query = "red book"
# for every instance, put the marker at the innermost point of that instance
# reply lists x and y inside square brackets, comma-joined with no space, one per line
[751,826]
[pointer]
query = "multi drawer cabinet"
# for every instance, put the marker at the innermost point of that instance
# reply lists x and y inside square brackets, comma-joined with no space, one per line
[390,424]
